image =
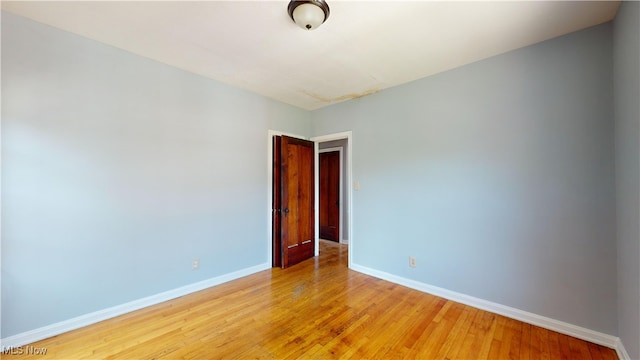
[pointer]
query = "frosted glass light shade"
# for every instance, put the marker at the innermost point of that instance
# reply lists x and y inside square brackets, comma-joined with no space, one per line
[309,14]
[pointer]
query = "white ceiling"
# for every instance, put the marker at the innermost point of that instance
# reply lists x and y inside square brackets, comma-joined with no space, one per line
[364,46]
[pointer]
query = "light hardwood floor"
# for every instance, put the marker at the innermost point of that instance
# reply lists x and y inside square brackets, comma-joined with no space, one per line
[314,310]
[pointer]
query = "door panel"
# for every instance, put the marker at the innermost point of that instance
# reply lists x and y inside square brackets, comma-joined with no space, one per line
[276,205]
[330,195]
[297,200]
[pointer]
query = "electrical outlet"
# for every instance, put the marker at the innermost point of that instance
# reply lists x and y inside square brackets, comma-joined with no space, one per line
[412,261]
[195,264]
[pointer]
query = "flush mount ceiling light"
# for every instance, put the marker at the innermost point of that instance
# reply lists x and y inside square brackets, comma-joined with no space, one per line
[308,14]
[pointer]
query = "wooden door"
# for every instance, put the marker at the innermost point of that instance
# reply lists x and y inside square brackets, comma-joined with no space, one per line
[276,205]
[330,195]
[295,240]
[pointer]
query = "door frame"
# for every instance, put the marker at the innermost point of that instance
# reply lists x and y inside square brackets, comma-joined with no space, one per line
[317,139]
[339,149]
[348,135]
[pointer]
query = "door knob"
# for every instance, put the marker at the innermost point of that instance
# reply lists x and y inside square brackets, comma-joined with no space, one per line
[286,210]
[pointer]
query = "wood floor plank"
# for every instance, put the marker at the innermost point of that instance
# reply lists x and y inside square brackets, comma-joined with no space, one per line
[515,329]
[502,340]
[314,310]
[608,354]
[452,346]
[565,348]
[525,344]
[594,350]
[487,334]
[439,329]
[579,349]
[424,318]
[554,343]
[539,343]
[479,337]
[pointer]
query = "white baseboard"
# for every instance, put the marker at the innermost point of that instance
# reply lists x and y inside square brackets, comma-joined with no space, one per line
[621,351]
[524,316]
[101,315]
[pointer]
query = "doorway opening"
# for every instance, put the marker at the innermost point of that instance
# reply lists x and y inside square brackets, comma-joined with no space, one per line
[328,143]
[331,197]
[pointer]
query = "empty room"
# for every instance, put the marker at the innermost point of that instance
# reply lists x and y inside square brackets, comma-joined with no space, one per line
[320,179]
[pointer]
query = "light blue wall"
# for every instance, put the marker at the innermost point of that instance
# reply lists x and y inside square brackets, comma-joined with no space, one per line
[497,176]
[117,171]
[626,54]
